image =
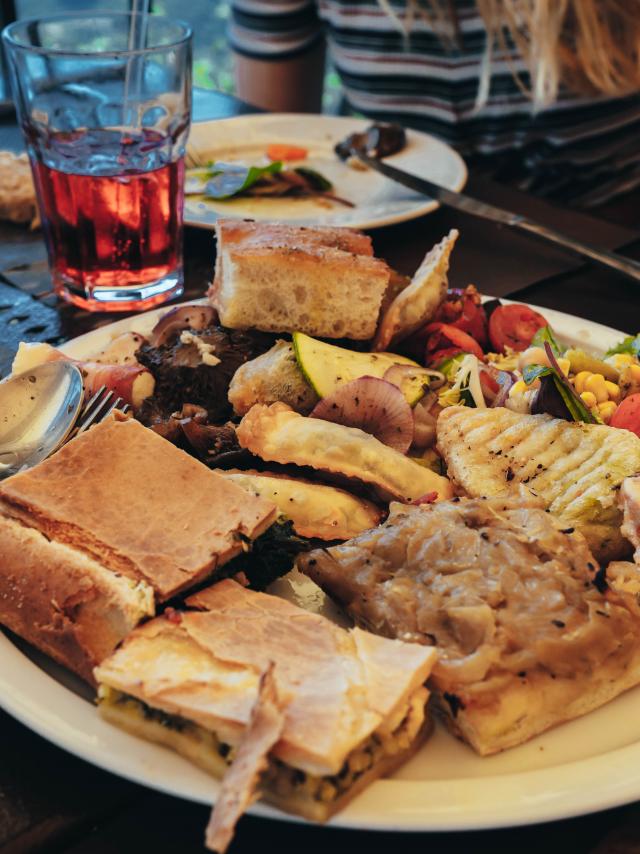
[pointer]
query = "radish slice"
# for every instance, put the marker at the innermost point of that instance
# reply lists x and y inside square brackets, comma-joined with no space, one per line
[375,406]
[180,318]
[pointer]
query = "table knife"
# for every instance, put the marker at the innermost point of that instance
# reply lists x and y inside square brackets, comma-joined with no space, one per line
[475,207]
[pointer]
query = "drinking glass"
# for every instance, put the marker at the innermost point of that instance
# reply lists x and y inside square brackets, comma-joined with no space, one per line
[104,103]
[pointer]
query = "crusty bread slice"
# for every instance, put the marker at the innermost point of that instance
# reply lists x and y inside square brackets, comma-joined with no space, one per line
[288,279]
[64,602]
[138,505]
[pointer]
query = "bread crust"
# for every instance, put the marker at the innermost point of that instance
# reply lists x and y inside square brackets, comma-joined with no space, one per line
[277,278]
[63,601]
[533,703]
[138,505]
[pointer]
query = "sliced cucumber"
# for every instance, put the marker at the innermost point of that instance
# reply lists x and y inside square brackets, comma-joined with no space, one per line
[326,366]
[581,361]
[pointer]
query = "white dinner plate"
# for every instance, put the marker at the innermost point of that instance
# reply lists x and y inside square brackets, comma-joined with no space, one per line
[586,765]
[378,201]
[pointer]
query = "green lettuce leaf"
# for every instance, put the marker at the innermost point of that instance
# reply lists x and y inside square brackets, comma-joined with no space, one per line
[315,179]
[575,405]
[231,179]
[630,345]
[546,334]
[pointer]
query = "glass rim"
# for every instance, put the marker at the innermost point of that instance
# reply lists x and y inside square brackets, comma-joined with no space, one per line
[8,34]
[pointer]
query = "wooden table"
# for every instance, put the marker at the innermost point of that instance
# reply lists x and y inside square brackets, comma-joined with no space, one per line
[51,801]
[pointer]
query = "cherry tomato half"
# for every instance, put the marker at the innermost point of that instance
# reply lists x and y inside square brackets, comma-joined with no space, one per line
[627,415]
[444,336]
[434,360]
[514,326]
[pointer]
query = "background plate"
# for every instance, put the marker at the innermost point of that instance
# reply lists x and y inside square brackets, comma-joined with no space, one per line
[589,764]
[378,201]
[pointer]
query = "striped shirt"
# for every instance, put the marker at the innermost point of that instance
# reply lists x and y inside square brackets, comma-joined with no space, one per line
[581,150]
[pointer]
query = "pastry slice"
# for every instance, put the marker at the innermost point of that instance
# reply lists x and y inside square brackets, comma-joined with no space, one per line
[354,704]
[528,634]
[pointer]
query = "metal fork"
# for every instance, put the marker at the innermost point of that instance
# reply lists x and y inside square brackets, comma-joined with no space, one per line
[100,405]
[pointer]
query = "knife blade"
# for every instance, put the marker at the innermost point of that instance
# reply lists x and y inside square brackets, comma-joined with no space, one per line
[484,210]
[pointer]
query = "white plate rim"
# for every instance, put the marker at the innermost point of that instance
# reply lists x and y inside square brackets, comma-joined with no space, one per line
[573,788]
[352,125]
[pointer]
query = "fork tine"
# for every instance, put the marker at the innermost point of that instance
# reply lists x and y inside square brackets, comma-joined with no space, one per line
[97,413]
[89,404]
[115,405]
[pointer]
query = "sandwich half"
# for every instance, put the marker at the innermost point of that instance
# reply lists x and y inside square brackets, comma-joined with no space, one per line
[528,633]
[280,278]
[114,522]
[354,704]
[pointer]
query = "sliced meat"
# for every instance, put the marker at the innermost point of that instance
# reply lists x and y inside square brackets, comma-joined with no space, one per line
[239,784]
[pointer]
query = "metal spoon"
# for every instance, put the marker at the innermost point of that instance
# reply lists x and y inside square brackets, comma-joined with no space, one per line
[37,412]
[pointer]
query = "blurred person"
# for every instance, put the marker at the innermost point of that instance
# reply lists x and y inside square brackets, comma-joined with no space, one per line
[542,93]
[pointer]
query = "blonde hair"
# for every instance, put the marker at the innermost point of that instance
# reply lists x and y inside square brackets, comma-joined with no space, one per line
[589,46]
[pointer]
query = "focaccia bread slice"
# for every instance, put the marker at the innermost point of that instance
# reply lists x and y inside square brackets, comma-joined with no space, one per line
[277,278]
[528,634]
[279,435]
[355,703]
[575,469]
[315,509]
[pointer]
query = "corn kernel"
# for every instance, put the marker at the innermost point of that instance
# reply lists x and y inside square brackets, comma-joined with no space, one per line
[564,365]
[579,380]
[634,372]
[606,410]
[595,384]
[589,399]
[613,390]
[619,360]
[518,388]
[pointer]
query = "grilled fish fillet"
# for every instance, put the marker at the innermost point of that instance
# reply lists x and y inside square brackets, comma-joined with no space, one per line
[575,468]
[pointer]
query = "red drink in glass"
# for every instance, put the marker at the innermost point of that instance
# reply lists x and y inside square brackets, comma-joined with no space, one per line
[110,231]
[104,102]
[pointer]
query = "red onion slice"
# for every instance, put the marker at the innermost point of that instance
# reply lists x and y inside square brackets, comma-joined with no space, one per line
[505,380]
[375,406]
[179,318]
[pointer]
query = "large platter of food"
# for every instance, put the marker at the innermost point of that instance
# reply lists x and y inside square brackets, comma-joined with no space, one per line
[285,167]
[367,547]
